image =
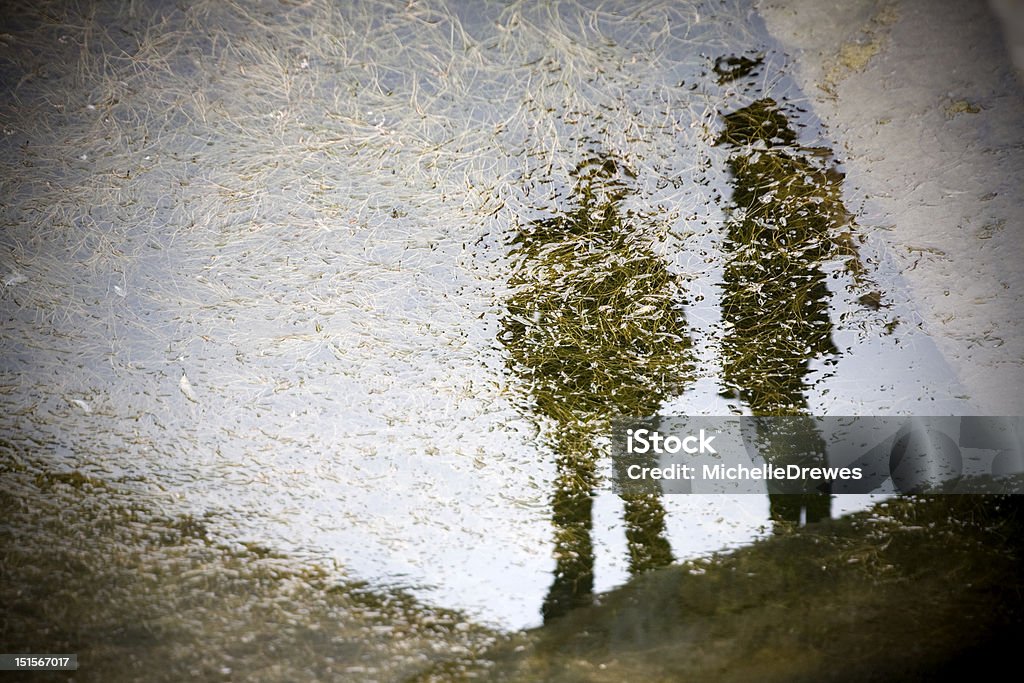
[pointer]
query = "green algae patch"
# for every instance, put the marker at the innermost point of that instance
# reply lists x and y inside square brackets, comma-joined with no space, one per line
[74,479]
[911,590]
[88,567]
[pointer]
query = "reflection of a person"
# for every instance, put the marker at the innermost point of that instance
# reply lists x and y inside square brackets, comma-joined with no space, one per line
[775,301]
[595,329]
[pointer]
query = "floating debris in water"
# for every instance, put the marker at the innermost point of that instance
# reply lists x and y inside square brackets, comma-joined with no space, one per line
[82,404]
[186,388]
[14,278]
[953,109]
[732,67]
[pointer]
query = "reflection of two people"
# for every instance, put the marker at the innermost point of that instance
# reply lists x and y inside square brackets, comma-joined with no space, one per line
[595,329]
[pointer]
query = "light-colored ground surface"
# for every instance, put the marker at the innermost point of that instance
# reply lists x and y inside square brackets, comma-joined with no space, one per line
[922,100]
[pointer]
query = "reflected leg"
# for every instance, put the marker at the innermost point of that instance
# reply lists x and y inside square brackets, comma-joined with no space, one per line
[645,533]
[572,515]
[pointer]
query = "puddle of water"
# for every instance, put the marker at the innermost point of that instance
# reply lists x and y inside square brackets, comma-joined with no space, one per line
[363,283]
[283,310]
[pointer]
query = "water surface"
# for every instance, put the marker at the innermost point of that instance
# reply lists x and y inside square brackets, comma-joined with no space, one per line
[363,284]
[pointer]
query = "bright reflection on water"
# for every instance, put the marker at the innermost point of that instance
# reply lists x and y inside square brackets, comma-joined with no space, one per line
[298,270]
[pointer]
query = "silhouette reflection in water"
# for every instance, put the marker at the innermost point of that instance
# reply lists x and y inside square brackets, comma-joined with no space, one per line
[788,220]
[595,329]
